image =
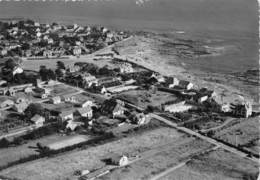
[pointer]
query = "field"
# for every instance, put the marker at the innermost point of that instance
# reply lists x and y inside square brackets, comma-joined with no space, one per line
[144,98]
[157,160]
[92,157]
[218,165]
[62,89]
[245,133]
[11,154]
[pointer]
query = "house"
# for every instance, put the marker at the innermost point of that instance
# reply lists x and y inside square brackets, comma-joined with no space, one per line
[242,109]
[72,125]
[76,51]
[118,110]
[28,90]
[225,108]
[85,112]
[90,80]
[38,120]
[119,160]
[68,98]
[202,99]
[17,70]
[20,108]
[42,92]
[5,102]
[175,82]
[105,80]
[55,100]
[207,92]
[158,77]
[140,118]
[185,85]
[86,103]
[66,115]
[126,67]
[103,90]
[113,107]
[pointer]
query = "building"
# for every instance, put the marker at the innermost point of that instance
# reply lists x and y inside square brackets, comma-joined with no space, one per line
[42,93]
[125,67]
[89,80]
[55,100]
[119,160]
[158,77]
[113,107]
[38,120]
[28,90]
[20,108]
[76,51]
[85,112]
[185,85]
[66,115]
[72,125]
[174,82]
[225,107]
[118,110]
[202,99]
[105,80]
[140,118]
[68,98]
[86,103]
[242,109]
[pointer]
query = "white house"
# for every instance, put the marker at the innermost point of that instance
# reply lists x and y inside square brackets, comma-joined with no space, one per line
[119,160]
[86,103]
[85,112]
[17,70]
[185,85]
[55,100]
[68,98]
[202,99]
[66,115]
[38,120]
[175,82]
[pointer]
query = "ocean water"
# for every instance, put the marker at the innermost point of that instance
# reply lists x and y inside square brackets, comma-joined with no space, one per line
[236,21]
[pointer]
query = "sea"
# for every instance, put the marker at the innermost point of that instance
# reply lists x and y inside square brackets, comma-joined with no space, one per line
[235,21]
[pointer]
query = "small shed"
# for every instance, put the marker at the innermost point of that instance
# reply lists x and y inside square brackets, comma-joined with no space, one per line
[119,160]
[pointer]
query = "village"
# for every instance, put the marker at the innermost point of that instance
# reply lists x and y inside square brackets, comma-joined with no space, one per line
[106,98]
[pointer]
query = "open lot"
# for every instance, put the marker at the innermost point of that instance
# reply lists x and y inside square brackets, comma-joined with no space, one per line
[11,154]
[245,133]
[159,159]
[218,165]
[143,98]
[92,157]
[62,89]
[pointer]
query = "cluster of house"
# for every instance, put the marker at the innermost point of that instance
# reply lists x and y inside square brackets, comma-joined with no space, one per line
[32,39]
[186,90]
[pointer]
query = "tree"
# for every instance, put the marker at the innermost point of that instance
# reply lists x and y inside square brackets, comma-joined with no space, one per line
[10,64]
[60,65]
[34,109]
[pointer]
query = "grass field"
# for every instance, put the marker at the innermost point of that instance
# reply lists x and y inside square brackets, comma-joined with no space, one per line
[63,166]
[157,160]
[11,154]
[241,134]
[144,98]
